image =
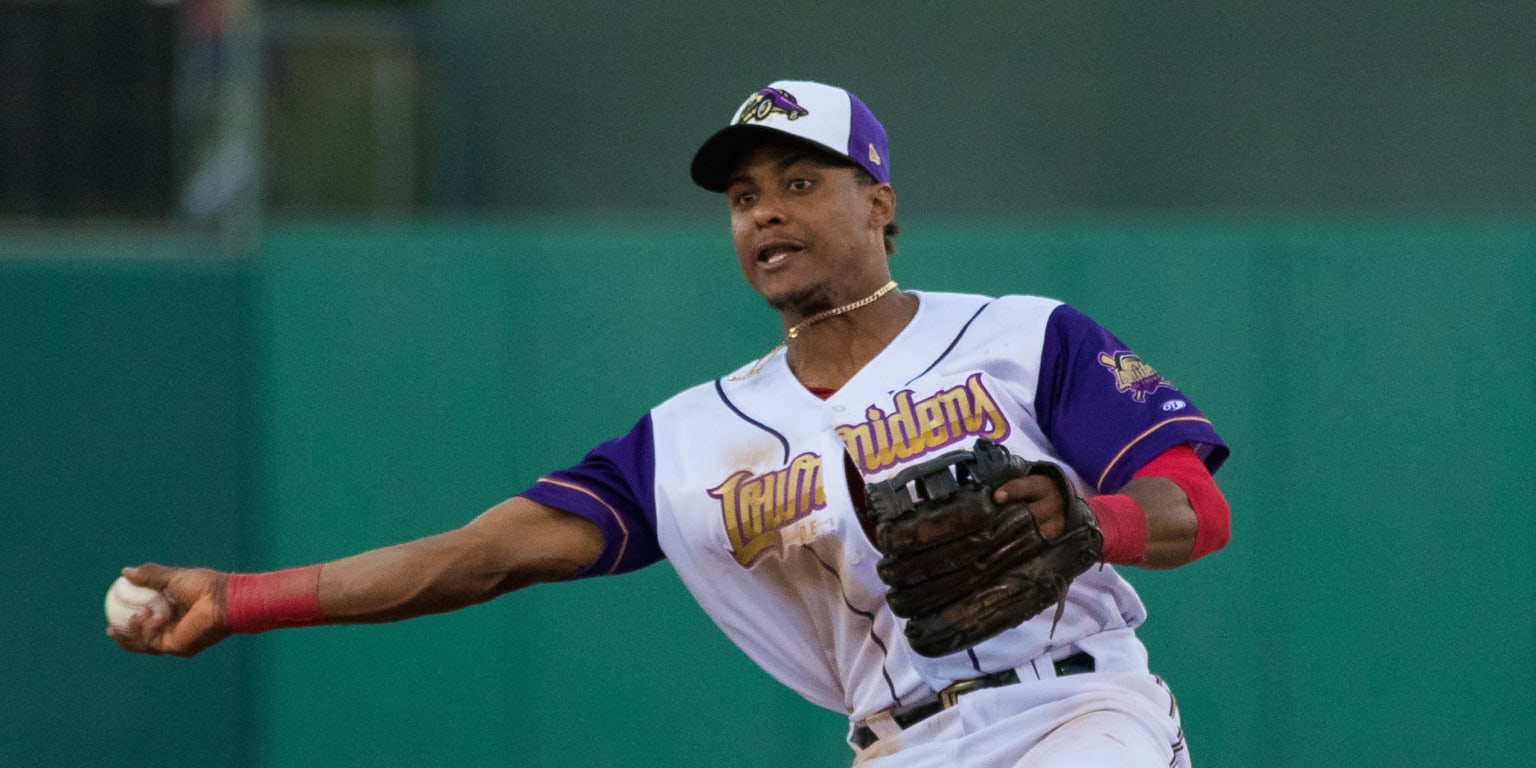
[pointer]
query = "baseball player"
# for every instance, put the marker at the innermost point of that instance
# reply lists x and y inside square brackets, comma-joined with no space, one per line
[785,492]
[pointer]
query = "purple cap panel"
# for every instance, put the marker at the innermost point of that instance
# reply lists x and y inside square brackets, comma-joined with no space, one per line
[867,143]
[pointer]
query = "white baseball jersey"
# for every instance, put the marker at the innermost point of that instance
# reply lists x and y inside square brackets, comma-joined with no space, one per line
[744,486]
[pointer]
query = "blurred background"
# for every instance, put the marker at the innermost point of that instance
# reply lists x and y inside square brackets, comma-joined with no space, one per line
[280,282]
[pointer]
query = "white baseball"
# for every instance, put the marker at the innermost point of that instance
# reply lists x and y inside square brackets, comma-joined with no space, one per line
[126,599]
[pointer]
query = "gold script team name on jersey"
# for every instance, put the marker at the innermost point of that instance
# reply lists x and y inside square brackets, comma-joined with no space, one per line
[757,509]
[914,428]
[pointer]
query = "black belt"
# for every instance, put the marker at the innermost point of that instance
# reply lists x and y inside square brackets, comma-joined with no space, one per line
[1076,664]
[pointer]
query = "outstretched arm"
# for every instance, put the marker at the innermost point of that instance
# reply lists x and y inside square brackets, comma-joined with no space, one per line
[516,544]
[513,545]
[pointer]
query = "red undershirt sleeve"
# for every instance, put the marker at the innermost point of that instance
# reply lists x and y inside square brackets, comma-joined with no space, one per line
[1186,470]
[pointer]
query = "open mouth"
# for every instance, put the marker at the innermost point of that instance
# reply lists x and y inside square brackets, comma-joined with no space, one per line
[770,254]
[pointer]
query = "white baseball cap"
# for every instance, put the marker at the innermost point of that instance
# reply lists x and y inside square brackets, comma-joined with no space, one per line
[823,115]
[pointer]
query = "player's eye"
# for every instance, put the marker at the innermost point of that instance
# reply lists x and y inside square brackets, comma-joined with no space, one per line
[743,199]
[799,185]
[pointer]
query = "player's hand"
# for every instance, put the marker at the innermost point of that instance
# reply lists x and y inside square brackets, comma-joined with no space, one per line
[1044,499]
[196,617]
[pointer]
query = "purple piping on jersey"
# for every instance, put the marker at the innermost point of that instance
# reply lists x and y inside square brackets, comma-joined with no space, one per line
[947,349]
[975,662]
[884,652]
[720,390]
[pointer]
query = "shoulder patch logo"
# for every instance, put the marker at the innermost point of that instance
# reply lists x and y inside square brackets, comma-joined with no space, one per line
[1132,375]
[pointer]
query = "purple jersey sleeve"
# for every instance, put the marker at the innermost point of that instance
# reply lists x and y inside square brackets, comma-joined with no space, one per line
[1107,412]
[614,488]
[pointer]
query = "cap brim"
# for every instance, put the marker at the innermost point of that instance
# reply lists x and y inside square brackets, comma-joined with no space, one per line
[713,163]
[717,158]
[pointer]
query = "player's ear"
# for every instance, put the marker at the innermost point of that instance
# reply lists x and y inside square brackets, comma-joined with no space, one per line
[882,205]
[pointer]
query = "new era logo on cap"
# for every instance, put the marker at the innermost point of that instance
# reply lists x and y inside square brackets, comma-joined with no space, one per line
[821,114]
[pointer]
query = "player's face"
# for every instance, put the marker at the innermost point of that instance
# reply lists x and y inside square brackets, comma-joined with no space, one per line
[809,234]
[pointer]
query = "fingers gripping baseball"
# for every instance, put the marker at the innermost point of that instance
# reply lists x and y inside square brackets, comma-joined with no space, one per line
[976,542]
[195,617]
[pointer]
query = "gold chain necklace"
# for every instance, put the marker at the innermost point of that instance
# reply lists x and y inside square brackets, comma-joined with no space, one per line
[794,330]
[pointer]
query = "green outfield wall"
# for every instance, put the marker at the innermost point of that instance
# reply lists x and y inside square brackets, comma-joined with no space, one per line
[124,407]
[354,384]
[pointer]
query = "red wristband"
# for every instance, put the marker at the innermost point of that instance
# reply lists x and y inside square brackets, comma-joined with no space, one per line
[1124,526]
[257,602]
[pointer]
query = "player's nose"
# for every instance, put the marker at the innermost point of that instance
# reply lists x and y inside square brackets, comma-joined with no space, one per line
[768,212]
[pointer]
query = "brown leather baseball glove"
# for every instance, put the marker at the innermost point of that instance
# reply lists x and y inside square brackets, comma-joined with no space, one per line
[962,569]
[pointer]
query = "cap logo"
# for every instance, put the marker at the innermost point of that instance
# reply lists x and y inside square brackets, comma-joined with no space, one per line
[874,157]
[768,101]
